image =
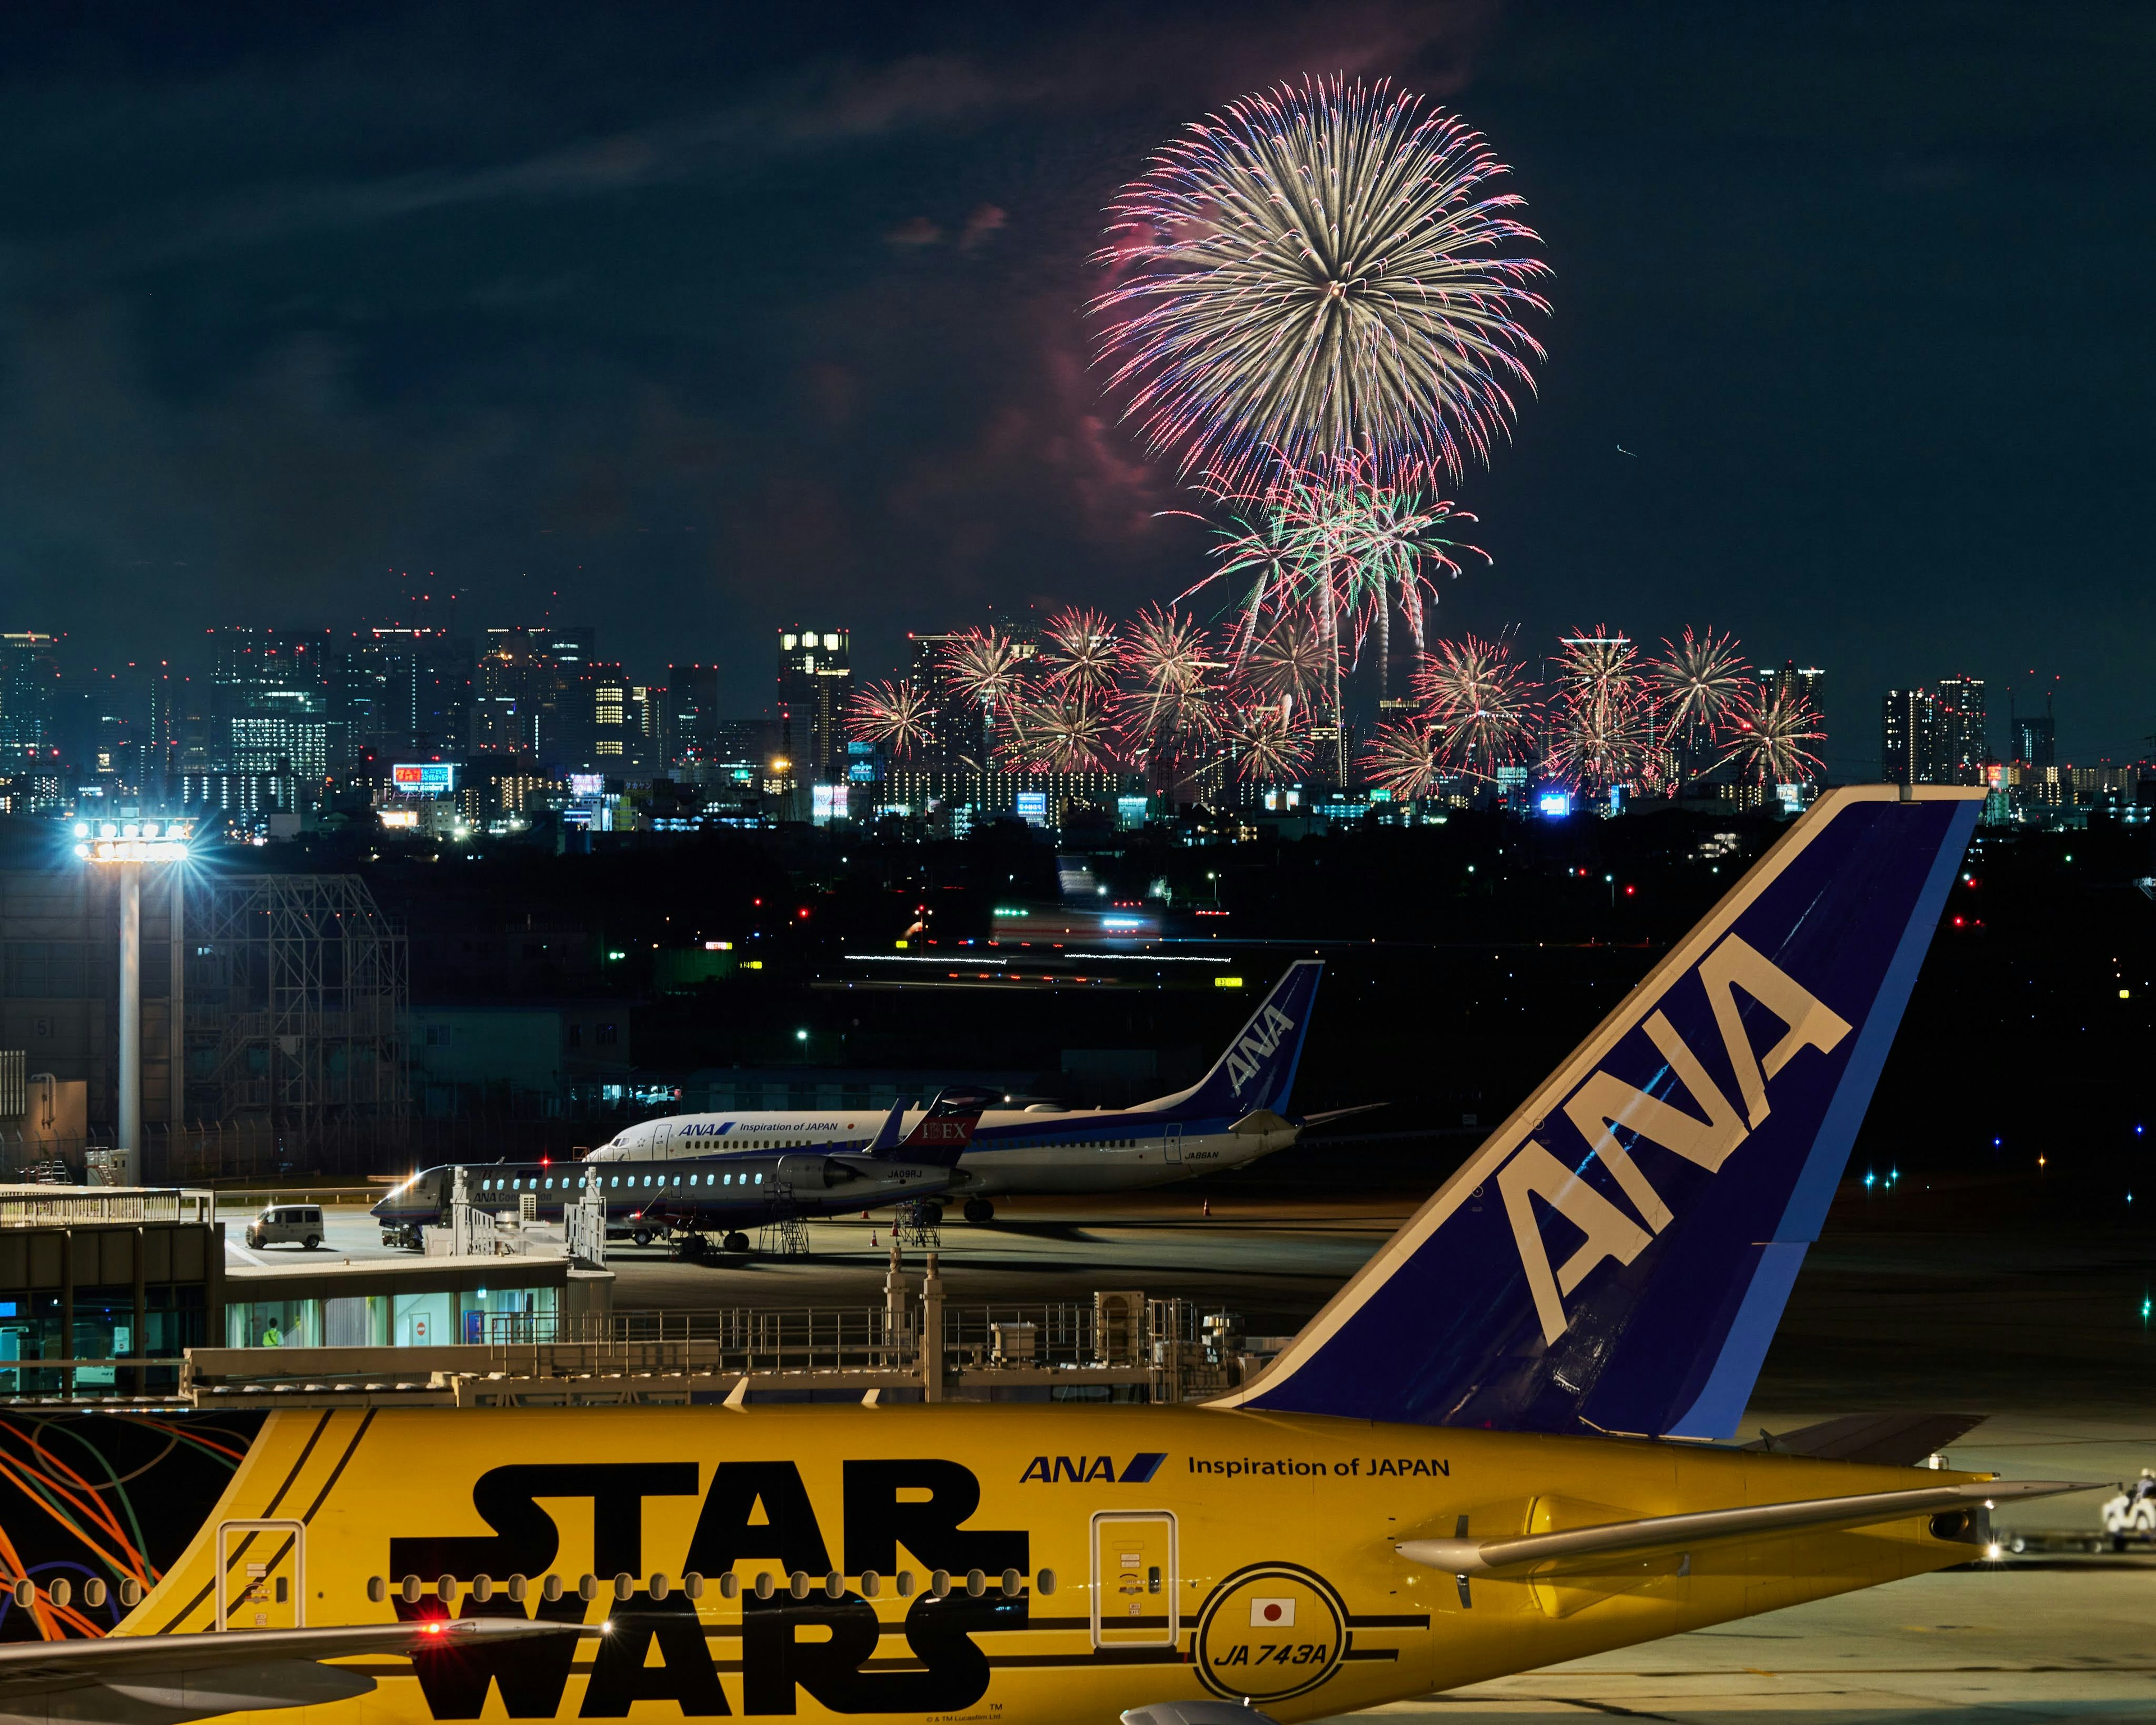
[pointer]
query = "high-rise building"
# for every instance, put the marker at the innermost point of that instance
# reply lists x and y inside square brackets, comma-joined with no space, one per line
[957,730]
[614,720]
[265,674]
[691,712]
[2036,735]
[29,682]
[402,691]
[1965,743]
[815,676]
[1806,681]
[518,693]
[1912,737]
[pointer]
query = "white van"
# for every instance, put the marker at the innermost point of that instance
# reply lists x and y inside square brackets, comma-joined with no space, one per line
[299,1225]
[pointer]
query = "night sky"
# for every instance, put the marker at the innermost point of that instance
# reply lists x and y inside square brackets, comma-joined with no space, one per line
[692,321]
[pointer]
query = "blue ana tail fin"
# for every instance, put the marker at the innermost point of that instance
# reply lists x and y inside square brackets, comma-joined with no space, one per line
[1258,1070]
[1616,1257]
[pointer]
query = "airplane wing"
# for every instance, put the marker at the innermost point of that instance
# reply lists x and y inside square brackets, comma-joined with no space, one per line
[163,1680]
[1478,1557]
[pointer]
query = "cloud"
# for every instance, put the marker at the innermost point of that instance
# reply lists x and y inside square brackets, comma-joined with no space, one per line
[985,219]
[914,232]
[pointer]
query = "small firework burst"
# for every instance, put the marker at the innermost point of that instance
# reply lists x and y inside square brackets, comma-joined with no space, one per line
[1599,662]
[1483,703]
[1266,742]
[1701,680]
[1605,737]
[1768,733]
[984,664]
[1168,705]
[1407,759]
[1058,732]
[1082,655]
[1293,659]
[896,714]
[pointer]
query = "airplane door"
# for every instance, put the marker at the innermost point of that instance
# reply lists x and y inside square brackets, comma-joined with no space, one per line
[1172,1145]
[1134,1580]
[261,1575]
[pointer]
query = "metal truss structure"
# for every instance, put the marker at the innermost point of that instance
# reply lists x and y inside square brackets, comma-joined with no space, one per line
[297,993]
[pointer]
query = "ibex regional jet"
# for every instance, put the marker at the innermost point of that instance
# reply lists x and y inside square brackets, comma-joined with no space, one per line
[1505,1443]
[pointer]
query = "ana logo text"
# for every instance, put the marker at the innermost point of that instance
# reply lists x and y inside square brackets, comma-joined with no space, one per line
[1256,1046]
[1084,1469]
[1606,1104]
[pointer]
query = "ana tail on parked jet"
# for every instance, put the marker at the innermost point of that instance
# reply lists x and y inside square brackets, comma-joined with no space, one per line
[1616,1257]
[1258,1069]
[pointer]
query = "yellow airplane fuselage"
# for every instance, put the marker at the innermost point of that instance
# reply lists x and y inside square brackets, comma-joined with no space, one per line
[1024,1563]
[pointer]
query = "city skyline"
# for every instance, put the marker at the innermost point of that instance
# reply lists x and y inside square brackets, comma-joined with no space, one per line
[510,337]
[314,702]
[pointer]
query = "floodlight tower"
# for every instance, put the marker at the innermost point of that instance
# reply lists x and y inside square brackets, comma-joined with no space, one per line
[127,846]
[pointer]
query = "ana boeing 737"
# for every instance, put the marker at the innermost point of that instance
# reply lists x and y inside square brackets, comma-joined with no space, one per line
[1505,1443]
[1236,1113]
[718,1174]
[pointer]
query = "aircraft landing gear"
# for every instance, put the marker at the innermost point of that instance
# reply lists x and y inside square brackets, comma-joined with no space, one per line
[642,1236]
[737,1241]
[979,1210]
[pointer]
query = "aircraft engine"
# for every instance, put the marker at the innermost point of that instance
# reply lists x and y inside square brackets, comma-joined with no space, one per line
[813,1173]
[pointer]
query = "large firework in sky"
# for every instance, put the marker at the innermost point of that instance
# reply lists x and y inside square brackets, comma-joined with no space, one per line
[1318,273]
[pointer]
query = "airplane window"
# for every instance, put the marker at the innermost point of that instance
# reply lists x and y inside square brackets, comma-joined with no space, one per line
[759,1178]
[550,1184]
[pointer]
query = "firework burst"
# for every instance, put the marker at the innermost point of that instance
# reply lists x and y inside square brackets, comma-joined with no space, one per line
[1293,661]
[1769,732]
[1169,699]
[1598,663]
[1376,546]
[1482,703]
[1058,733]
[1701,680]
[897,714]
[1266,740]
[1264,556]
[985,665]
[1082,655]
[1408,760]
[1605,737]
[1316,272]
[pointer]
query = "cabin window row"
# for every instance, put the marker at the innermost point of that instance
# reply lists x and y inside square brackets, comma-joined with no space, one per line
[615,1182]
[659,1585]
[59,1593]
